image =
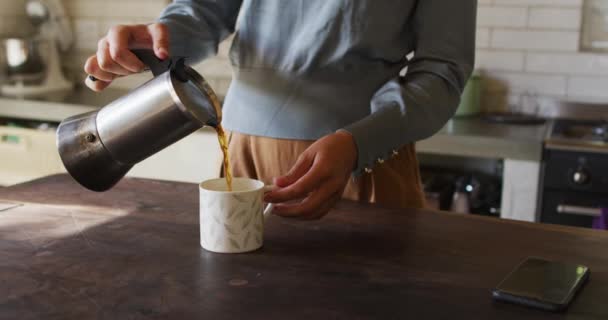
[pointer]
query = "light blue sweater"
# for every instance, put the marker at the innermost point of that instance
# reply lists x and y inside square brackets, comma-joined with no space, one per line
[307,68]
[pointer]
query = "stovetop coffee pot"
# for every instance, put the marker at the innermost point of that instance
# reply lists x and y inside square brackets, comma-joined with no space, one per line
[99,148]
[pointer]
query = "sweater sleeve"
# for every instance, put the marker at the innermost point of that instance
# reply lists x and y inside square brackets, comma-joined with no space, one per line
[196,27]
[414,107]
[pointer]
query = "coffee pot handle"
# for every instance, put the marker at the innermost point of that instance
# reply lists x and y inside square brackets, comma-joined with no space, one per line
[156,65]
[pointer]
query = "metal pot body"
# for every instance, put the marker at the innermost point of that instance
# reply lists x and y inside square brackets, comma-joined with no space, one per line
[99,148]
[145,121]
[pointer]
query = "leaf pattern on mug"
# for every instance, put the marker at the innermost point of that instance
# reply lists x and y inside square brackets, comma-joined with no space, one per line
[256,204]
[229,229]
[240,198]
[211,230]
[247,221]
[234,243]
[216,219]
[218,242]
[231,214]
[209,202]
[247,238]
[241,214]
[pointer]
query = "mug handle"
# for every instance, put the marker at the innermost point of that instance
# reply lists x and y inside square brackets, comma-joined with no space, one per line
[269,207]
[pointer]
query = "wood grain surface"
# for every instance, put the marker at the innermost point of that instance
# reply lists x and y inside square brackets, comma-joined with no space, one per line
[134,253]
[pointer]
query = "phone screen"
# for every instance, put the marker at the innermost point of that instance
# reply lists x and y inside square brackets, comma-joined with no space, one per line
[544,280]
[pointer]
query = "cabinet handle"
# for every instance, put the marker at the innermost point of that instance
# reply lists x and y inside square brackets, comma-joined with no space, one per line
[579,211]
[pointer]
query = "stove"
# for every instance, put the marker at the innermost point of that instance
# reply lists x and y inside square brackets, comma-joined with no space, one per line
[575,172]
[579,135]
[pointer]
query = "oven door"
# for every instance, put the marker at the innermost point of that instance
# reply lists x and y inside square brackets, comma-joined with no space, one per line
[572,208]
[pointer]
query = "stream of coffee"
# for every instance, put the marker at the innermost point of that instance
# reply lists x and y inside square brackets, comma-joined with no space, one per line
[221,136]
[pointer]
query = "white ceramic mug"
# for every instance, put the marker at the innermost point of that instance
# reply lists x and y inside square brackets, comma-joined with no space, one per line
[233,221]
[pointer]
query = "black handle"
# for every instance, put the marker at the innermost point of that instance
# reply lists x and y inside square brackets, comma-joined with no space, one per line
[159,67]
[156,65]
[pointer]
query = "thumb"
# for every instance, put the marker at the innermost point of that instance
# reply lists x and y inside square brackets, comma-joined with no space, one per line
[297,171]
[160,40]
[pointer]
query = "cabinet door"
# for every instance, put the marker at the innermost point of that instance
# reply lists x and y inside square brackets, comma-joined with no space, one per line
[520,190]
[27,154]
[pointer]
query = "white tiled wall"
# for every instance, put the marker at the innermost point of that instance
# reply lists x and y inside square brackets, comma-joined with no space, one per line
[532,46]
[522,46]
[92,19]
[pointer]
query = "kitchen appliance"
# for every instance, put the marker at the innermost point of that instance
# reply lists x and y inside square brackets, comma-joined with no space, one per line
[22,61]
[34,63]
[461,190]
[100,147]
[575,173]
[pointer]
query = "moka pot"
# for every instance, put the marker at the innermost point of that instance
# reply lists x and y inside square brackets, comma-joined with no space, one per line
[100,147]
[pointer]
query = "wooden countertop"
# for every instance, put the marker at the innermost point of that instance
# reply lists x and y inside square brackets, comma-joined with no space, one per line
[133,253]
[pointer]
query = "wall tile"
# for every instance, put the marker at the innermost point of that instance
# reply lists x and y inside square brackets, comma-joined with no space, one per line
[555,18]
[500,60]
[502,16]
[523,82]
[86,32]
[588,88]
[568,63]
[535,40]
[561,3]
[115,8]
[483,38]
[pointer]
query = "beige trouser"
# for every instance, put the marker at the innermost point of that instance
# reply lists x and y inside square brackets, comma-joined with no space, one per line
[393,184]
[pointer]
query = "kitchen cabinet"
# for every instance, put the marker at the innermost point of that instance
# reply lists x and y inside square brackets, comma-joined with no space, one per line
[519,147]
[27,154]
[520,190]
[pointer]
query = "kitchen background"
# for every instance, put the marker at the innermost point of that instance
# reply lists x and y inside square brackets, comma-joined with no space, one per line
[91,21]
[524,47]
[530,54]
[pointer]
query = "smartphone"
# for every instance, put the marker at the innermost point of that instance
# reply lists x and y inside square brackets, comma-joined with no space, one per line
[542,284]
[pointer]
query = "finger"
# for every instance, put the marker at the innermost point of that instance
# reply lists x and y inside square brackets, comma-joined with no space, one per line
[97,85]
[326,207]
[160,40]
[323,209]
[118,41]
[91,67]
[104,59]
[301,188]
[301,166]
[311,206]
